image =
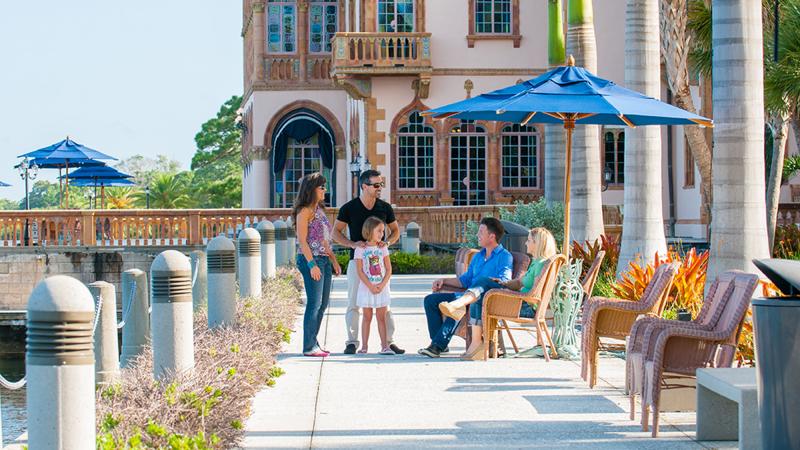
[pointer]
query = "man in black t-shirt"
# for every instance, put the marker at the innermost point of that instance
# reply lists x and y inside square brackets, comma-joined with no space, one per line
[352,215]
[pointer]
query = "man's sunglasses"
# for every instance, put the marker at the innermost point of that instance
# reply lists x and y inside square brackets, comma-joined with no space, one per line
[378,185]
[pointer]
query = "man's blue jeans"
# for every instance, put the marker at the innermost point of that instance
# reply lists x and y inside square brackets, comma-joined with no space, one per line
[481,286]
[440,329]
[318,294]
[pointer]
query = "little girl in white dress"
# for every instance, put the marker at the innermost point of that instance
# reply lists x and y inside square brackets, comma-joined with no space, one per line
[374,270]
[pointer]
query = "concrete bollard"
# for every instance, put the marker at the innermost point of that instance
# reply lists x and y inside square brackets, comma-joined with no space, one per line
[172,334]
[221,262]
[199,279]
[249,263]
[411,242]
[267,232]
[106,348]
[281,249]
[135,315]
[59,365]
[291,242]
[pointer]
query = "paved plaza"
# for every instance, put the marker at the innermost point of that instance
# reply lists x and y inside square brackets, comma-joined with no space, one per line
[411,401]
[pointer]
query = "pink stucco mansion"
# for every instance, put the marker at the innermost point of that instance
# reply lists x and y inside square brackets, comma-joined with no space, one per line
[331,82]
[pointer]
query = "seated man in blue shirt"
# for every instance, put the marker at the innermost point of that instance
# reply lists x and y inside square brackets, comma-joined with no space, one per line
[493,261]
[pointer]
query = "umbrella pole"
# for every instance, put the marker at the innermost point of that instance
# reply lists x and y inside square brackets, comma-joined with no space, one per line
[60,190]
[569,125]
[102,196]
[66,187]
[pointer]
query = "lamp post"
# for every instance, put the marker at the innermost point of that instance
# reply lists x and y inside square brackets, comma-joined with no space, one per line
[355,170]
[147,196]
[27,171]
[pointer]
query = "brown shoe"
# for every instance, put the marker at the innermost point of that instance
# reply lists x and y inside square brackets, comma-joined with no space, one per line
[452,312]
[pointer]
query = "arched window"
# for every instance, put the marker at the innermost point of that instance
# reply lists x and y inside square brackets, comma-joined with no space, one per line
[281,26]
[492,16]
[468,164]
[415,154]
[322,24]
[520,147]
[614,154]
[395,16]
[302,158]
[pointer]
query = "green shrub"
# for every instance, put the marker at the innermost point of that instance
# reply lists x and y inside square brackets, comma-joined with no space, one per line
[603,287]
[411,263]
[529,215]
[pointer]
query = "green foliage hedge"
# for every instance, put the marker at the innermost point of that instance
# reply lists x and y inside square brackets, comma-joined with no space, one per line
[529,215]
[411,263]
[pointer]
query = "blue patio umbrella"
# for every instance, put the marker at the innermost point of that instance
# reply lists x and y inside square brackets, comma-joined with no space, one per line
[66,154]
[99,176]
[568,95]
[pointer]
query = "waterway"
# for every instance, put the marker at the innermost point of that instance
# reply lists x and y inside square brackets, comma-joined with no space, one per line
[13,402]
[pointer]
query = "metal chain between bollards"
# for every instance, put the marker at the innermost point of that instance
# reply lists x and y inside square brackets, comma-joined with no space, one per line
[128,308]
[98,307]
[13,385]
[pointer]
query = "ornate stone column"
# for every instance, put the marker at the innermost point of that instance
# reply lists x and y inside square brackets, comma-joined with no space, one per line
[302,38]
[259,40]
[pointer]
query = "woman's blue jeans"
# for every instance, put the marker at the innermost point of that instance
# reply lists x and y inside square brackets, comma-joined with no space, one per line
[318,294]
[479,288]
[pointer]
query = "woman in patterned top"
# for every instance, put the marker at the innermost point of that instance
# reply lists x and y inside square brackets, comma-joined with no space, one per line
[315,258]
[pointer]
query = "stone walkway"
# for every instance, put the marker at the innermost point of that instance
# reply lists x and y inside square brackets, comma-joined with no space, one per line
[411,401]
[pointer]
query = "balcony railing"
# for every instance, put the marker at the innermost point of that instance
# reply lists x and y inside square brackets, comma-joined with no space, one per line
[154,227]
[381,53]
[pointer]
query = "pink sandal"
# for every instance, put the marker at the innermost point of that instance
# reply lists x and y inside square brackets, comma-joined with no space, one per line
[317,353]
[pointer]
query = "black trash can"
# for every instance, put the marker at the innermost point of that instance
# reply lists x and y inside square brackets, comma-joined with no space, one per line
[515,237]
[776,324]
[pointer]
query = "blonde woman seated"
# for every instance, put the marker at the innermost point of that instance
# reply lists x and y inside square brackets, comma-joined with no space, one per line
[540,245]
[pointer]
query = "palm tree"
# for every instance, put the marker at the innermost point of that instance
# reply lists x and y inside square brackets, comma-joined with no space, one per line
[587,205]
[120,198]
[676,46]
[168,191]
[782,97]
[554,152]
[643,222]
[738,220]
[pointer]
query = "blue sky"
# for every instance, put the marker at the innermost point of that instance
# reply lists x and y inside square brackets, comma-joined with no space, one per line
[122,77]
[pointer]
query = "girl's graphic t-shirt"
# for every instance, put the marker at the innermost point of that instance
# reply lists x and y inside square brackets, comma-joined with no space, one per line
[372,264]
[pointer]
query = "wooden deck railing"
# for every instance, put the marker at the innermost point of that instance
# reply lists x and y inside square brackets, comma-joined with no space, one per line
[392,51]
[159,227]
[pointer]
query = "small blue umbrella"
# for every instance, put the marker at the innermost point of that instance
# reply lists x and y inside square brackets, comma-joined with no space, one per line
[66,154]
[568,95]
[99,176]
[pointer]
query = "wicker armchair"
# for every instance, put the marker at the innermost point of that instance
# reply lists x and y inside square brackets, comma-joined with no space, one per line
[591,275]
[718,294]
[504,305]
[613,318]
[677,352]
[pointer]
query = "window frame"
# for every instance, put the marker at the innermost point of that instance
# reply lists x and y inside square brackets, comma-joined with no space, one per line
[688,165]
[615,165]
[472,133]
[324,4]
[416,135]
[413,4]
[514,35]
[281,4]
[537,166]
[493,4]
[279,200]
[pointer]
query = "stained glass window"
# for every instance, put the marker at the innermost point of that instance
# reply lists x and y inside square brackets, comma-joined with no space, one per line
[492,16]
[281,26]
[322,21]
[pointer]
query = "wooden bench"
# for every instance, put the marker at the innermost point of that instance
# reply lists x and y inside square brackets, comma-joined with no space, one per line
[727,406]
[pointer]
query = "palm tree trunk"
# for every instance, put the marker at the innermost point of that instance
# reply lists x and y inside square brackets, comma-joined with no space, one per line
[779,123]
[643,221]
[554,151]
[675,47]
[587,205]
[738,223]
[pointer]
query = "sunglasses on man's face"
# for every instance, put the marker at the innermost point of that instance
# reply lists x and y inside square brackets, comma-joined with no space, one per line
[378,185]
